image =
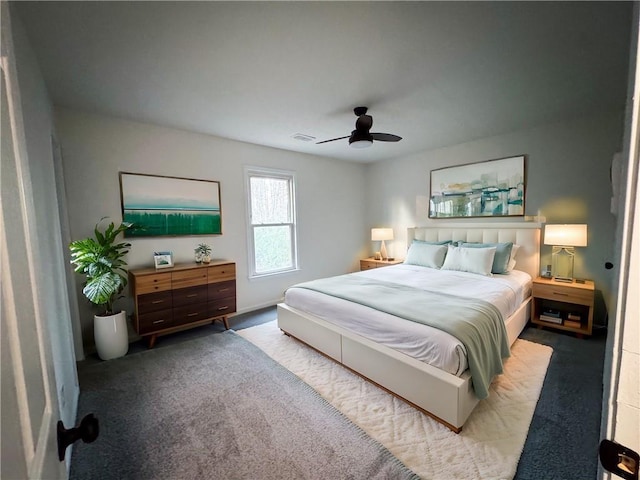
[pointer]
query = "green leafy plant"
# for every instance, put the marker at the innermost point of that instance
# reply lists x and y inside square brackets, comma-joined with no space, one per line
[101,259]
[203,249]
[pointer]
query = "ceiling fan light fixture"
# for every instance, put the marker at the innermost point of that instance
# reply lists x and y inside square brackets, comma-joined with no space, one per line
[361,144]
[360,140]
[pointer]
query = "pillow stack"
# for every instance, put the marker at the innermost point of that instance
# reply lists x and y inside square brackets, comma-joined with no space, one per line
[480,258]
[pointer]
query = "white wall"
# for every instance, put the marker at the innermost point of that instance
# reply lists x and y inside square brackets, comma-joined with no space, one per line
[329,198]
[567,181]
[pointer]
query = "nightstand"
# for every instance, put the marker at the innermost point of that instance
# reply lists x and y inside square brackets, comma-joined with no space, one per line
[369,263]
[573,302]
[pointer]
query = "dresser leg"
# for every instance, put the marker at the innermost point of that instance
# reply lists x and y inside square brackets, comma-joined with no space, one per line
[152,341]
[226,322]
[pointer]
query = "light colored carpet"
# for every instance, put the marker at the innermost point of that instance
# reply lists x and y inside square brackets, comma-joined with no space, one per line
[490,443]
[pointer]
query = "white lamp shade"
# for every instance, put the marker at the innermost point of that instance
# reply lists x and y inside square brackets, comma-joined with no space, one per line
[566,235]
[378,234]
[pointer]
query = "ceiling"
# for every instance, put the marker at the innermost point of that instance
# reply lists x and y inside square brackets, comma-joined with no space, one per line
[434,73]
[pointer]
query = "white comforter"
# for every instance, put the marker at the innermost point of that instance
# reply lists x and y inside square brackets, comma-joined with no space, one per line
[420,341]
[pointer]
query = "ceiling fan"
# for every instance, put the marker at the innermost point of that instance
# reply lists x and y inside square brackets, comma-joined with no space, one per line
[360,137]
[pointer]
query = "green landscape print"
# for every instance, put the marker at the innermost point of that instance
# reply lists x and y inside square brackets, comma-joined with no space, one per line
[159,206]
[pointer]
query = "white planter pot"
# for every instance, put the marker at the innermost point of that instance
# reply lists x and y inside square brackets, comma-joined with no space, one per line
[111,336]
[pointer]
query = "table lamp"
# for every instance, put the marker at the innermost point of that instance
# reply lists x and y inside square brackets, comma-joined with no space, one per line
[380,235]
[564,238]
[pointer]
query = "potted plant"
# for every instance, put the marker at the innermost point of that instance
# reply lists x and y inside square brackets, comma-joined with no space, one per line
[101,259]
[203,253]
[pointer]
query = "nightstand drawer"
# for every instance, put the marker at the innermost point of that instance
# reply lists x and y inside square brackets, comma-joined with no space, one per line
[563,294]
[367,265]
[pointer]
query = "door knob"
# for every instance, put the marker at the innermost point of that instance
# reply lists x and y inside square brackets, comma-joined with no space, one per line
[88,431]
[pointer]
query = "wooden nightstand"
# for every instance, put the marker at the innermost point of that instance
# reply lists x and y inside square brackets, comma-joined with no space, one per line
[369,263]
[567,298]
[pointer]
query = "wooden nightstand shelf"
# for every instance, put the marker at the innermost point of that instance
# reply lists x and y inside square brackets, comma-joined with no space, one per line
[567,298]
[369,263]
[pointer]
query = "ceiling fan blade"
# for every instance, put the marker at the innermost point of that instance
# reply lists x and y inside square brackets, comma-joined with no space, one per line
[386,137]
[332,140]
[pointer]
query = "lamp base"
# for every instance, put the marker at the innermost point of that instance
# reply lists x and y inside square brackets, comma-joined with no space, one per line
[383,251]
[562,262]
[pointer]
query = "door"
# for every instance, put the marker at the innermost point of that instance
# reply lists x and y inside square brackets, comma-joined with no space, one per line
[29,404]
[621,407]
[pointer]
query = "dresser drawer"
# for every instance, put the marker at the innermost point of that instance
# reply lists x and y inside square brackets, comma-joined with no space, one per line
[152,302]
[224,306]
[569,295]
[222,273]
[151,322]
[189,296]
[220,290]
[153,283]
[190,313]
[189,278]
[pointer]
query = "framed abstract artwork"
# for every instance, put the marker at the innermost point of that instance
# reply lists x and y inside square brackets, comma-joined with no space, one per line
[494,188]
[169,206]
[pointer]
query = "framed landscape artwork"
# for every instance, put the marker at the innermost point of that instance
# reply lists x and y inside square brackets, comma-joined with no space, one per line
[495,188]
[169,206]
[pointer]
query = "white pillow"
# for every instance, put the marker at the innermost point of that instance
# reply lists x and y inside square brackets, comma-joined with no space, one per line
[426,255]
[512,260]
[472,260]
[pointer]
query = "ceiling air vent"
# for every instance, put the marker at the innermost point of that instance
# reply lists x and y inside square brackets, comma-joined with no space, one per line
[302,137]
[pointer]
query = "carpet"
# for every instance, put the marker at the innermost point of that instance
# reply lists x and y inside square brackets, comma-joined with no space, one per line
[217,407]
[490,443]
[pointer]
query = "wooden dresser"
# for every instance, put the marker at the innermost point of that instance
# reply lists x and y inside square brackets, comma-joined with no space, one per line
[183,296]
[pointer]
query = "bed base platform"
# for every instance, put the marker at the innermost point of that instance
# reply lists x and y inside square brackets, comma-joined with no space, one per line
[444,397]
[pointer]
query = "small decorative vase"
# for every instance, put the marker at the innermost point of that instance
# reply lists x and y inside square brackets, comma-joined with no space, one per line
[206,259]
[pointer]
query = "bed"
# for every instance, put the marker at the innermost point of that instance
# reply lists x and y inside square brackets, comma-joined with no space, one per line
[382,347]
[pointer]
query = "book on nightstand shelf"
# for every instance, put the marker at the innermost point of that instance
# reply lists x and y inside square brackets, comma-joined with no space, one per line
[573,320]
[551,315]
[551,319]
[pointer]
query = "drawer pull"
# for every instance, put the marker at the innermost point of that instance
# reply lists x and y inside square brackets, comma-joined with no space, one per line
[158,321]
[223,290]
[157,301]
[561,294]
[223,308]
[193,314]
[192,295]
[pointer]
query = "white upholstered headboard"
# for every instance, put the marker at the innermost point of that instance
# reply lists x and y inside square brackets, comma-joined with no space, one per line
[527,235]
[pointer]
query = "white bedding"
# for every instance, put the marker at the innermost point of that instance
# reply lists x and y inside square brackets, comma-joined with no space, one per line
[420,341]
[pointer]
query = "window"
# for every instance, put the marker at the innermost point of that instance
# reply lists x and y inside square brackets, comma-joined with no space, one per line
[272,228]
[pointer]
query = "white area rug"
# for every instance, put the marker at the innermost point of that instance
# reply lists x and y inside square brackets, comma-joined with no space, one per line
[490,443]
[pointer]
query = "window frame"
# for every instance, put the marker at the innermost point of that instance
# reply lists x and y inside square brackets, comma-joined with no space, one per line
[290,177]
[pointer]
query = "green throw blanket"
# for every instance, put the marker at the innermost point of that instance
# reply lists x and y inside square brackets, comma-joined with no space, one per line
[476,323]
